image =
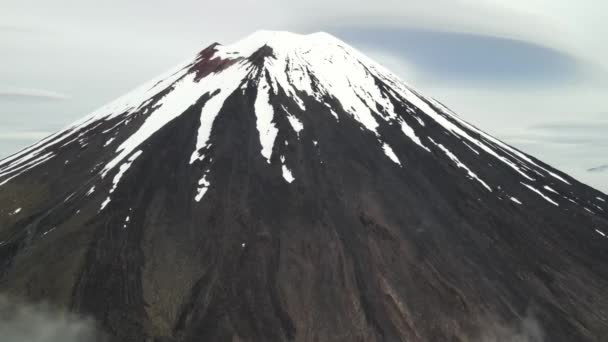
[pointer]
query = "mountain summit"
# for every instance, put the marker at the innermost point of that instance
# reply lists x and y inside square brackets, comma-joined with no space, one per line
[288,188]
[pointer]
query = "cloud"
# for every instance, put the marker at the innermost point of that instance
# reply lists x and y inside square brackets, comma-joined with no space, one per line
[574,146]
[18,29]
[598,169]
[30,94]
[589,131]
[21,321]
[528,329]
[24,135]
[470,58]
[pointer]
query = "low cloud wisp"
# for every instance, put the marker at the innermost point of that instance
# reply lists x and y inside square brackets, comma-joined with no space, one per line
[26,322]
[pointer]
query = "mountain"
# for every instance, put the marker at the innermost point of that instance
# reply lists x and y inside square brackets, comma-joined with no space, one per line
[602,168]
[288,188]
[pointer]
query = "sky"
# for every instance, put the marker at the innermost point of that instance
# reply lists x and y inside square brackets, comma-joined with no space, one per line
[533,73]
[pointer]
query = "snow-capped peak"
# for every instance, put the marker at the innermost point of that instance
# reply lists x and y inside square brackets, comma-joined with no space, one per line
[282,42]
[315,68]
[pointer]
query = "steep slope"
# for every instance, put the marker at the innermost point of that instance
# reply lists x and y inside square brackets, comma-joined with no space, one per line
[286,188]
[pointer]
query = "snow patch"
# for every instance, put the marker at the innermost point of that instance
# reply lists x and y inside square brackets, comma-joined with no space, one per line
[541,194]
[105,203]
[470,148]
[499,143]
[203,186]
[49,231]
[409,132]
[295,123]
[419,120]
[287,174]
[121,171]
[516,200]
[546,187]
[226,82]
[109,142]
[22,166]
[265,114]
[461,165]
[390,153]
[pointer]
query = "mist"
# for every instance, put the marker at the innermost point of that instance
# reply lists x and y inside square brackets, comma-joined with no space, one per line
[21,321]
[528,329]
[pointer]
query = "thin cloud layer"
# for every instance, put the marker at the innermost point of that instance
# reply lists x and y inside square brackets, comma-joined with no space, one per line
[30,93]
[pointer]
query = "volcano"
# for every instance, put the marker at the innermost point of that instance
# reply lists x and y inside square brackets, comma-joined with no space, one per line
[288,188]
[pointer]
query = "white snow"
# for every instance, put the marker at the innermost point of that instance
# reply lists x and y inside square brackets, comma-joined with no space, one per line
[69,197]
[185,93]
[121,171]
[601,233]
[410,96]
[287,174]
[265,114]
[589,210]
[49,231]
[419,120]
[409,132]
[550,189]
[91,191]
[137,98]
[470,148]
[334,114]
[23,165]
[340,74]
[541,194]
[105,203]
[516,200]
[15,212]
[461,165]
[286,171]
[490,138]
[600,199]
[390,153]
[226,81]
[203,186]
[340,71]
[32,151]
[109,142]
[294,122]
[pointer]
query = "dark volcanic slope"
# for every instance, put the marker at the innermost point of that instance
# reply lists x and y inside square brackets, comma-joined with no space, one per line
[287,188]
